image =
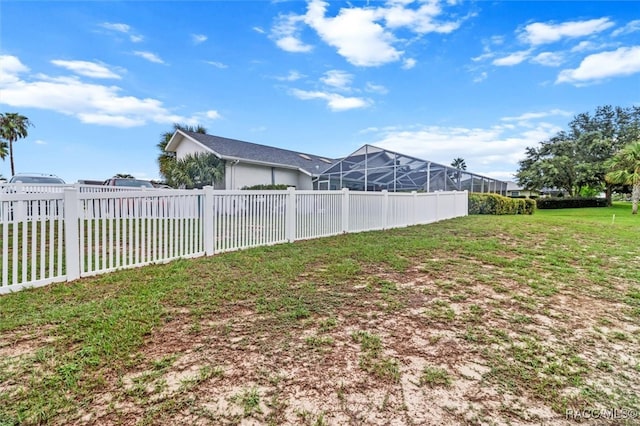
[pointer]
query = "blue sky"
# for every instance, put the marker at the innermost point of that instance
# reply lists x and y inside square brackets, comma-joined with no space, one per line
[102,80]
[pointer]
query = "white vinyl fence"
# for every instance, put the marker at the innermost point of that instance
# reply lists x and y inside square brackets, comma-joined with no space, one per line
[61,234]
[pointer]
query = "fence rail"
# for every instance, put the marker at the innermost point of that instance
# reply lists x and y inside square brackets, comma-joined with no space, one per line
[61,234]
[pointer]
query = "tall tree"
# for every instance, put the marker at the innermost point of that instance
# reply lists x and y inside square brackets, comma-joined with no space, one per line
[551,165]
[624,169]
[124,176]
[575,159]
[13,126]
[459,164]
[167,159]
[196,171]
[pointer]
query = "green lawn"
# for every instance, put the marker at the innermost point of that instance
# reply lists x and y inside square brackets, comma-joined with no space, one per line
[481,319]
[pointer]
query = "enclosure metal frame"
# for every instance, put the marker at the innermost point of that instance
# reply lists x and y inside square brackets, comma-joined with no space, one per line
[371,168]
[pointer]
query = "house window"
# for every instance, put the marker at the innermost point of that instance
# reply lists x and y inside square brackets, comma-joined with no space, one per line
[515,193]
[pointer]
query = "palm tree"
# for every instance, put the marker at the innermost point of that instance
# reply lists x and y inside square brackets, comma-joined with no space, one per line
[167,159]
[624,169]
[459,164]
[124,176]
[196,171]
[4,150]
[13,126]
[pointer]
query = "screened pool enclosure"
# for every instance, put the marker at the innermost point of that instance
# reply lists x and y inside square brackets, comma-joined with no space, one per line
[375,169]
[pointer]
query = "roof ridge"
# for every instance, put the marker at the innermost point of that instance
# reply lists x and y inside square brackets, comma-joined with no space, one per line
[259,144]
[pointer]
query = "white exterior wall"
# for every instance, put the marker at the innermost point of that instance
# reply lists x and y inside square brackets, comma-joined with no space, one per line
[304,182]
[187,147]
[239,175]
[242,174]
[287,177]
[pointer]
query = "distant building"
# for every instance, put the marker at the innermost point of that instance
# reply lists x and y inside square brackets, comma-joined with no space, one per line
[517,191]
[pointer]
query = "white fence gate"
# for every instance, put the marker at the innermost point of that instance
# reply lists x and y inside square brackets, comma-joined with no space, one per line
[62,233]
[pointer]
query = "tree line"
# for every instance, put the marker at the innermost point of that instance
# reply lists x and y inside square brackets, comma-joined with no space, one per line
[581,161]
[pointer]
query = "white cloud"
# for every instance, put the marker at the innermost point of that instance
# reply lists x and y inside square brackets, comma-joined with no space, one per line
[124,29]
[480,78]
[409,63]
[292,44]
[286,34]
[217,64]
[537,115]
[90,103]
[213,115]
[151,57]
[621,62]
[583,46]
[335,102]
[355,34]
[549,59]
[198,38]
[512,59]
[86,68]
[292,76]
[259,30]
[10,67]
[121,28]
[337,79]
[631,27]
[543,33]
[486,55]
[40,142]
[376,88]
[484,149]
[364,35]
[421,20]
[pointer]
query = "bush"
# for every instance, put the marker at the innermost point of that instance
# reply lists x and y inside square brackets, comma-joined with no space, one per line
[266,187]
[498,204]
[571,203]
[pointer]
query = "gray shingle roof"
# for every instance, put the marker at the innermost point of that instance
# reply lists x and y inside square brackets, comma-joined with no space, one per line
[233,148]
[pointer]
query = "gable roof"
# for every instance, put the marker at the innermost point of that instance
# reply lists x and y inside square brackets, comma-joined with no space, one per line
[233,149]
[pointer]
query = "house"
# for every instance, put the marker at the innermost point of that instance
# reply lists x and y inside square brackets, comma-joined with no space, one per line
[248,164]
[369,168]
[517,191]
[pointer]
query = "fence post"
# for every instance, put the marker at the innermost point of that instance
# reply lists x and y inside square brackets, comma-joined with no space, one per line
[466,202]
[437,206]
[208,227]
[20,208]
[291,215]
[345,210]
[71,235]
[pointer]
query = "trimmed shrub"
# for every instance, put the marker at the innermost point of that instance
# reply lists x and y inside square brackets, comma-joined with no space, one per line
[266,187]
[498,204]
[571,203]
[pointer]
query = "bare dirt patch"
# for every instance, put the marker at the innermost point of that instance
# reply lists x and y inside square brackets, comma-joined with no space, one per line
[239,367]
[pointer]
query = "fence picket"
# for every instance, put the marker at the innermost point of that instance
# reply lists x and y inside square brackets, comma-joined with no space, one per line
[63,233]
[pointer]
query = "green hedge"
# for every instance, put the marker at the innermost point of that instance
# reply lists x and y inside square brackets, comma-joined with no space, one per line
[266,187]
[498,204]
[570,203]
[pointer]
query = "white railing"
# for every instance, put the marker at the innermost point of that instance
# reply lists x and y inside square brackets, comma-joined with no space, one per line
[20,187]
[75,231]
